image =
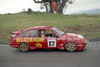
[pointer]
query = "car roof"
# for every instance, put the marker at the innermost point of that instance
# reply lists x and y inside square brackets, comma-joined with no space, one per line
[40,27]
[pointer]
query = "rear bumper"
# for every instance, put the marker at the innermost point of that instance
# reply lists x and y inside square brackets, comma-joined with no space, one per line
[13,45]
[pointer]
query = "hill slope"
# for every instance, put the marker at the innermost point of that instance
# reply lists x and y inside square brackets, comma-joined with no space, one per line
[87,25]
[92,11]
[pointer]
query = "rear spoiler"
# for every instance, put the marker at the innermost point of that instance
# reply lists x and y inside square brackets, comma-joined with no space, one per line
[16,32]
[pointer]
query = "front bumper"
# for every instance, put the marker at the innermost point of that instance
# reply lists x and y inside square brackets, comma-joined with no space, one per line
[81,45]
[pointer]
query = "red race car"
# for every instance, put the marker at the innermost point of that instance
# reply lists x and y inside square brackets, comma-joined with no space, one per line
[46,37]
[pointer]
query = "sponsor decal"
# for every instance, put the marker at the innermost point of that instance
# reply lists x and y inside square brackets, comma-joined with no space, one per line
[30,39]
[73,39]
[18,40]
[38,45]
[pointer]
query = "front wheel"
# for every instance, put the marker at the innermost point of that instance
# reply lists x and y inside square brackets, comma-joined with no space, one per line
[70,46]
[24,47]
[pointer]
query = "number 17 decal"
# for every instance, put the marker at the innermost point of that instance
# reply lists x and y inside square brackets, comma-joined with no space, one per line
[51,43]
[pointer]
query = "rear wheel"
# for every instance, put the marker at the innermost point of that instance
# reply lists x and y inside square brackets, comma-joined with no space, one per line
[70,46]
[24,47]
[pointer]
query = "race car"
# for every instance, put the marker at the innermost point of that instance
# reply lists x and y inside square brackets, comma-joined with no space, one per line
[46,37]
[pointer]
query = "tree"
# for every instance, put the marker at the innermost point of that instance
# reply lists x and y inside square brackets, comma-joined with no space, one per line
[61,4]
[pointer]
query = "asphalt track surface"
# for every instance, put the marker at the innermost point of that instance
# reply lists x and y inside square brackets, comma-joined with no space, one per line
[12,57]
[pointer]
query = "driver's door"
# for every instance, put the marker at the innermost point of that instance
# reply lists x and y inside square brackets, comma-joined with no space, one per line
[51,40]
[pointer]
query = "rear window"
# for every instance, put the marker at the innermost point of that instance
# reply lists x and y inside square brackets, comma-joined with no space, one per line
[30,33]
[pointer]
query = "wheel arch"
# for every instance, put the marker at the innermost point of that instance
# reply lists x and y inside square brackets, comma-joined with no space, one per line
[24,42]
[69,41]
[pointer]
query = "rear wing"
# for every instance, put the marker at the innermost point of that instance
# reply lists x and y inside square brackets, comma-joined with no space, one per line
[16,32]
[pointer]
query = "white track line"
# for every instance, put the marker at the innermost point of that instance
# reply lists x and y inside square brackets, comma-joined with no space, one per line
[4,45]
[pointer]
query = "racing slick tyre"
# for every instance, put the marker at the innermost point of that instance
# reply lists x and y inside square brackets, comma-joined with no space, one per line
[70,46]
[24,47]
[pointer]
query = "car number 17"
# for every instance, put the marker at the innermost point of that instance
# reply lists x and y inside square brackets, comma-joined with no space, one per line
[51,43]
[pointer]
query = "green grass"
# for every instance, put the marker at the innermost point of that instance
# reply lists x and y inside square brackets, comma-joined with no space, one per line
[87,25]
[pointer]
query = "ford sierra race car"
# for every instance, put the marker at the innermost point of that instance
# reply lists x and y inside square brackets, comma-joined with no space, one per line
[46,37]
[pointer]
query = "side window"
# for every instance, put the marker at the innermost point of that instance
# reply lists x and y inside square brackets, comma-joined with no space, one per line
[30,33]
[49,33]
[45,33]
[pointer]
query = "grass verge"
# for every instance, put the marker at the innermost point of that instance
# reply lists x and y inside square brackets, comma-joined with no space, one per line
[87,25]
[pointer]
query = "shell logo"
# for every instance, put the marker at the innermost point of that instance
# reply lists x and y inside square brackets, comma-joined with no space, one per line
[38,45]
